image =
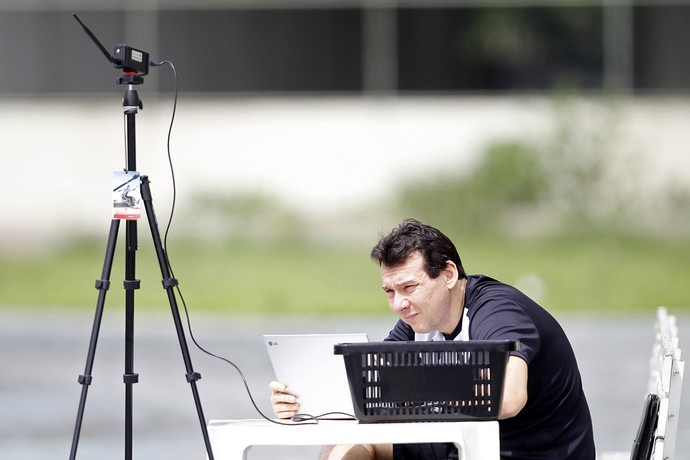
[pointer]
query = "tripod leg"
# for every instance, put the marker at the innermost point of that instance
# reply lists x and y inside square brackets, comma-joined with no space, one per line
[131,284]
[169,284]
[131,105]
[102,285]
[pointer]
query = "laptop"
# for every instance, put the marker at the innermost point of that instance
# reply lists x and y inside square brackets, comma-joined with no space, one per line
[307,365]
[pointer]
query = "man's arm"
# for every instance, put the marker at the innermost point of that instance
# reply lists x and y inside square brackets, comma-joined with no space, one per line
[514,388]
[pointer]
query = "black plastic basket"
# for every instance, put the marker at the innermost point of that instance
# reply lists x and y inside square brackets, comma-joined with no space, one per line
[426,381]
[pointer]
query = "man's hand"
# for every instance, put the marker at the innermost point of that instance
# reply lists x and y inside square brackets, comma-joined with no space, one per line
[284,403]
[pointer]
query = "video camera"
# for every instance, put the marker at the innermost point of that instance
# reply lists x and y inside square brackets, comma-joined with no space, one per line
[131,60]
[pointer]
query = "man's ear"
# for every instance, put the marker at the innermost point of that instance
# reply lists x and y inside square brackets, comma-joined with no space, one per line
[451,274]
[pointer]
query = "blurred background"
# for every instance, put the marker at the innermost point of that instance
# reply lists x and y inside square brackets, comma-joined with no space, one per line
[547,138]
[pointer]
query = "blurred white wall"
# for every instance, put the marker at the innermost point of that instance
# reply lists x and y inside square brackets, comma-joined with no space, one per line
[321,155]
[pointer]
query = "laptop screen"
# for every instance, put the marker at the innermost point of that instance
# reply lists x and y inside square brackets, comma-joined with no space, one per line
[307,365]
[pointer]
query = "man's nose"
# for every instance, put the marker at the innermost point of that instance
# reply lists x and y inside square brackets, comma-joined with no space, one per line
[400,302]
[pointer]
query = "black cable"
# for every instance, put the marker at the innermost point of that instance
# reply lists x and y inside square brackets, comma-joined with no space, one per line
[170,162]
[299,419]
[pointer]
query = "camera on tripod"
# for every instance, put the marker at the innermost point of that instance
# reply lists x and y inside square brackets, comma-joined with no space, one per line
[131,60]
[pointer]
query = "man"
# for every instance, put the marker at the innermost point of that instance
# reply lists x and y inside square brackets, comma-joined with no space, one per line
[543,413]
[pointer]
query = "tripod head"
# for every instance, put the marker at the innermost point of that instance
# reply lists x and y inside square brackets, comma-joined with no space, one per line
[133,62]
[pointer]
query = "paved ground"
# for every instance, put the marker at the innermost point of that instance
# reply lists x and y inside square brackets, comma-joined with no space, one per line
[42,355]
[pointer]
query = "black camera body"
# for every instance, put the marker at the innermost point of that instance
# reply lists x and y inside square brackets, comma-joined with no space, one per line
[131,59]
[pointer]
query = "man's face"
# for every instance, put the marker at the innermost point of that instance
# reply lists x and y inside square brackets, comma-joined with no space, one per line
[419,300]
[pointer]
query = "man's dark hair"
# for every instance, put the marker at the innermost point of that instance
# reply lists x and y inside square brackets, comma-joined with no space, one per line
[412,235]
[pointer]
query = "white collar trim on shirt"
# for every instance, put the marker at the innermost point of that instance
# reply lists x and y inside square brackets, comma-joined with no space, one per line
[438,335]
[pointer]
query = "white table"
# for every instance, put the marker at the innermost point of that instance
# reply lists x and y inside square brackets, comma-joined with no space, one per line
[231,439]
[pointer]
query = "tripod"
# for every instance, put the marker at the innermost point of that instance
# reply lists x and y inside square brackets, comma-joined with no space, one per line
[131,105]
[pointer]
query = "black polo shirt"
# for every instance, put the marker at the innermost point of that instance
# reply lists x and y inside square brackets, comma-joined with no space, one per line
[555,423]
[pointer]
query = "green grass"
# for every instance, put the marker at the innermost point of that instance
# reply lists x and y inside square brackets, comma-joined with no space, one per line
[579,273]
[593,273]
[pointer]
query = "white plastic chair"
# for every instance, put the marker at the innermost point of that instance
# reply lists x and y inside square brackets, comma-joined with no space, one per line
[666,381]
[656,435]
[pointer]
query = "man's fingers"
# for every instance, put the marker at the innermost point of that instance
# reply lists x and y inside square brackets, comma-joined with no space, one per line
[285,410]
[283,398]
[277,386]
[284,404]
